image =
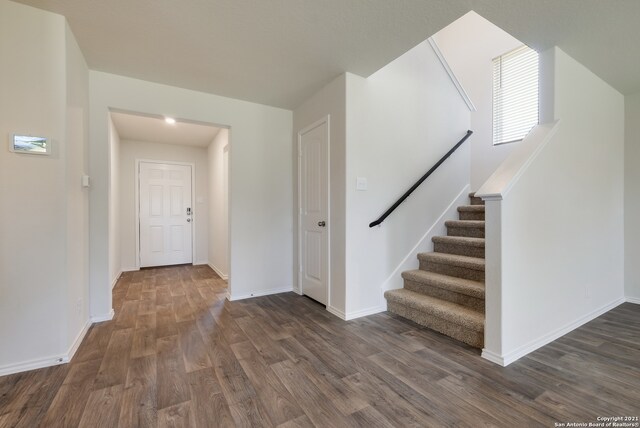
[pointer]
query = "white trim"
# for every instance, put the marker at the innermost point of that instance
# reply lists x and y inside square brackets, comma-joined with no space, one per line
[103,318]
[365,312]
[130,269]
[510,357]
[337,312]
[452,76]
[40,363]
[218,271]
[260,293]
[326,119]
[493,357]
[357,314]
[115,281]
[194,215]
[634,300]
[435,228]
[511,169]
[229,206]
[79,338]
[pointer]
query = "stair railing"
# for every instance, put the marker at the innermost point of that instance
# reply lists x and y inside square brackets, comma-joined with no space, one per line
[419,182]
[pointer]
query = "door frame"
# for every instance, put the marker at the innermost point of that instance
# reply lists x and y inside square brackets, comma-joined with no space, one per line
[323,120]
[137,204]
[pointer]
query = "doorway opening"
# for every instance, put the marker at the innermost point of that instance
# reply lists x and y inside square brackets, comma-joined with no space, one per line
[168,193]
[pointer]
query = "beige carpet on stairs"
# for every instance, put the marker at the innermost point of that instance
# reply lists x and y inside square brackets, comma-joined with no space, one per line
[447,293]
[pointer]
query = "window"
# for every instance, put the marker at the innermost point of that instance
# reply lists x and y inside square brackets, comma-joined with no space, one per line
[515,95]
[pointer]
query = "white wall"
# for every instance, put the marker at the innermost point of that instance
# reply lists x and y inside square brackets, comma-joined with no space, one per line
[632,197]
[562,231]
[42,206]
[218,204]
[115,231]
[130,151]
[469,45]
[400,121]
[330,100]
[260,180]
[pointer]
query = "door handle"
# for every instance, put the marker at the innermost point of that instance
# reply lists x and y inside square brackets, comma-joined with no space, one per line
[188,220]
[322,224]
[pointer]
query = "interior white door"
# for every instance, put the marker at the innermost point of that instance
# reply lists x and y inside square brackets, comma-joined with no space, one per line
[313,146]
[165,214]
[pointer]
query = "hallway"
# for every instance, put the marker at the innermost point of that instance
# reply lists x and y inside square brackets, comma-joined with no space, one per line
[179,354]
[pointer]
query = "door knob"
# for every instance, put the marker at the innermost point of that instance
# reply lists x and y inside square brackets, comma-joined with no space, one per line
[188,220]
[322,224]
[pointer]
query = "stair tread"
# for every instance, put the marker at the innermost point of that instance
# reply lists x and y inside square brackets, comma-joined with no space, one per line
[460,240]
[447,311]
[459,285]
[465,223]
[471,208]
[474,263]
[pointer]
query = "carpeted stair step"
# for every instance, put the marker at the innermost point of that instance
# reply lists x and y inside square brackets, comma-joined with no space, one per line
[461,291]
[453,265]
[455,321]
[461,245]
[471,212]
[470,228]
[474,200]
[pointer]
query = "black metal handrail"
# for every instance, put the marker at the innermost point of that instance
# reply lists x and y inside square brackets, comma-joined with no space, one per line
[419,182]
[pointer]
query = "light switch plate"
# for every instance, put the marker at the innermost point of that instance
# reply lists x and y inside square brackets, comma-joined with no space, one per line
[85,181]
[361,183]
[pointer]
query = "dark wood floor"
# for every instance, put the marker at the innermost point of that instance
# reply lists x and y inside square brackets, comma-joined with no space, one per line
[179,354]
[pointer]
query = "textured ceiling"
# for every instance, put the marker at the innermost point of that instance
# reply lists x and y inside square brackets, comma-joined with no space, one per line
[153,129]
[279,52]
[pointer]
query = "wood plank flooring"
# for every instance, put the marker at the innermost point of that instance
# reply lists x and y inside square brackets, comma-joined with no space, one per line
[179,354]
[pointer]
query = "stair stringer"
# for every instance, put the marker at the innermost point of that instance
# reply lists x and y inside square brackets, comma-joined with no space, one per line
[424,244]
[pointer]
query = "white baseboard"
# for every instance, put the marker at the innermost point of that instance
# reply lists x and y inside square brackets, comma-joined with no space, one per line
[337,312]
[493,357]
[356,314]
[218,271]
[115,281]
[76,343]
[634,300]
[365,312]
[130,269]
[516,354]
[41,363]
[103,318]
[200,263]
[233,297]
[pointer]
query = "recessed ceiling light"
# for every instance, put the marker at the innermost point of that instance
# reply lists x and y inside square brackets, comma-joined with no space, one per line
[170,120]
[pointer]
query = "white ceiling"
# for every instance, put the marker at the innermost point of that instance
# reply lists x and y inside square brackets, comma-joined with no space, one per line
[153,129]
[279,52]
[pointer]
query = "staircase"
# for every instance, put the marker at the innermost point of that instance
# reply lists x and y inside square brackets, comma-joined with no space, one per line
[447,293]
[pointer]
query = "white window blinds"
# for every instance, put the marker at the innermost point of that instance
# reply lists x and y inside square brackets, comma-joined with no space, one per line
[515,95]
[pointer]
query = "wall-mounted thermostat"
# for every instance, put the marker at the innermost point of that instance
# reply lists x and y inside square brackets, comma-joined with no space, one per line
[28,144]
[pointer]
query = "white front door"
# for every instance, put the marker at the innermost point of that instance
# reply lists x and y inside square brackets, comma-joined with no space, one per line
[313,182]
[165,214]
